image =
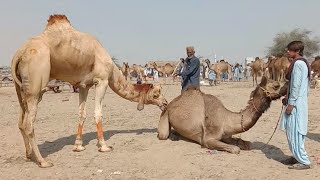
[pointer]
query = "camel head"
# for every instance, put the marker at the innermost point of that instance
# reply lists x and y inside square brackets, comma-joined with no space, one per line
[269,90]
[125,64]
[150,94]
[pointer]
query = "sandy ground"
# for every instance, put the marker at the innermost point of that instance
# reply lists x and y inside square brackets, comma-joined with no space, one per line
[138,154]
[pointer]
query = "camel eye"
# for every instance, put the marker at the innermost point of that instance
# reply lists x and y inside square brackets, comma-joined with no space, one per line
[156,96]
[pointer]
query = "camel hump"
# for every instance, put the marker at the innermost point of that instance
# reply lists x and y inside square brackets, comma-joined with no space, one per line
[142,87]
[57,18]
[191,88]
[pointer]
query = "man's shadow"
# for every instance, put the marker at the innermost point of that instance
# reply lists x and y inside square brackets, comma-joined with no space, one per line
[50,147]
[314,136]
[270,151]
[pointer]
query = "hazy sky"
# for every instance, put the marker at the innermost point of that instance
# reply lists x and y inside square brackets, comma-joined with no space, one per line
[140,30]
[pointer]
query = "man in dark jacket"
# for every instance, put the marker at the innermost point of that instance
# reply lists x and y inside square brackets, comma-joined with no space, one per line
[191,70]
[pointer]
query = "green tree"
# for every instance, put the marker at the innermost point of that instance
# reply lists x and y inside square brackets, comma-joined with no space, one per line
[116,61]
[280,42]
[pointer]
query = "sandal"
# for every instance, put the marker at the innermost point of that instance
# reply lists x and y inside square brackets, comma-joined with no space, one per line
[299,166]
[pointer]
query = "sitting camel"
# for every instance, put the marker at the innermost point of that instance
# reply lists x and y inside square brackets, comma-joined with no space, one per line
[204,119]
[61,52]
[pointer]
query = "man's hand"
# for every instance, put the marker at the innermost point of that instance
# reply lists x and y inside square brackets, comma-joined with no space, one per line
[289,109]
[284,101]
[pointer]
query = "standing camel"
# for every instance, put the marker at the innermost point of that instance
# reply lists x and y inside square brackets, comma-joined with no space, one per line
[137,70]
[270,66]
[203,118]
[315,66]
[219,68]
[125,70]
[281,66]
[61,52]
[256,69]
[166,70]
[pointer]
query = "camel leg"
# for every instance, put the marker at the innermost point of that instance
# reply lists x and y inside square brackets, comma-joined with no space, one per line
[253,80]
[101,88]
[83,94]
[244,145]
[256,77]
[32,105]
[34,71]
[221,146]
[164,126]
[22,119]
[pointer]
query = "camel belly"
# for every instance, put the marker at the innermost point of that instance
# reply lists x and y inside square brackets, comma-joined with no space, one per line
[186,116]
[69,71]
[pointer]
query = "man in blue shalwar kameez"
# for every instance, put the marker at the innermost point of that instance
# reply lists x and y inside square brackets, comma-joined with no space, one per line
[191,71]
[295,118]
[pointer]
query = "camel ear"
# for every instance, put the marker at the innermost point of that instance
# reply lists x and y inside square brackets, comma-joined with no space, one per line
[264,81]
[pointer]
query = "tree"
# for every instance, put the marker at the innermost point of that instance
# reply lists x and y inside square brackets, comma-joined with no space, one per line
[280,42]
[116,61]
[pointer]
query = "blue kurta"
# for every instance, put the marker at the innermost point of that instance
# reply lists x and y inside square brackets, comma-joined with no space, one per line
[190,73]
[296,124]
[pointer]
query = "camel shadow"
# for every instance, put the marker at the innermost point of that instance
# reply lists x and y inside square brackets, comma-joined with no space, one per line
[51,147]
[270,151]
[314,136]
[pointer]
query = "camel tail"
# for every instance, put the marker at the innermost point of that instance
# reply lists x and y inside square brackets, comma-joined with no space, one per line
[14,65]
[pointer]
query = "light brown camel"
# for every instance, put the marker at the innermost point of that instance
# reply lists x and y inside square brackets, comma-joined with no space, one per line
[315,66]
[61,52]
[204,119]
[280,68]
[137,70]
[270,66]
[256,69]
[219,68]
[166,70]
[125,70]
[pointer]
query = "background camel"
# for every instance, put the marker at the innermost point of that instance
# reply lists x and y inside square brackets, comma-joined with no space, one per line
[125,70]
[166,70]
[61,52]
[257,68]
[136,70]
[204,119]
[315,66]
[270,66]
[219,68]
[280,67]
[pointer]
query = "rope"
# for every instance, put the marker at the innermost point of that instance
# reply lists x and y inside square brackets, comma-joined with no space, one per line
[264,146]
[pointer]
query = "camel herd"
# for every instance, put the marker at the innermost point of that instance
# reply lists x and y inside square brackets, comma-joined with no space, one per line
[64,53]
[276,68]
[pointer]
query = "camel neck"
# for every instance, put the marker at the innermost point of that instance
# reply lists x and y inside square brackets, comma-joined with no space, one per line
[253,111]
[122,87]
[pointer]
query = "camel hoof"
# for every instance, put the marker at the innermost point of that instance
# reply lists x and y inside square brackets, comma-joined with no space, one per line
[235,150]
[105,149]
[45,164]
[247,145]
[78,148]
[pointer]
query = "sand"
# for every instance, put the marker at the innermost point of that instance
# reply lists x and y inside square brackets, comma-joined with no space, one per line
[138,154]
